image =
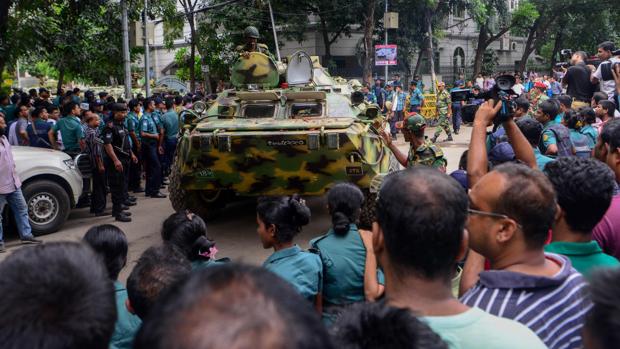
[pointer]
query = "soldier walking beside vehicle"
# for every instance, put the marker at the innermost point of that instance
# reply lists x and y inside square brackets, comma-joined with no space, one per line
[118,151]
[444,110]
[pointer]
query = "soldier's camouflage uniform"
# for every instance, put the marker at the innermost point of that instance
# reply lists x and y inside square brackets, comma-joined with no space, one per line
[443,101]
[427,154]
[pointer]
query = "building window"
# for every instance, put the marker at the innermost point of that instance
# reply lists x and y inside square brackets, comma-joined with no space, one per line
[514,46]
[459,12]
[458,61]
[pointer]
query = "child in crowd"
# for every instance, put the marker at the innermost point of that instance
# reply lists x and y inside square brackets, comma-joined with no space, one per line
[188,232]
[349,263]
[581,143]
[279,219]
[589,116]
[110,244]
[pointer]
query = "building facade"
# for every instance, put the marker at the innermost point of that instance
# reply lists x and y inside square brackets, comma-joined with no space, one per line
[454,53]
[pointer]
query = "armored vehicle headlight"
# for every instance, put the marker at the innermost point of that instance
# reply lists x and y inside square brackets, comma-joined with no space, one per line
[199,107]
[332,141]
[313,141]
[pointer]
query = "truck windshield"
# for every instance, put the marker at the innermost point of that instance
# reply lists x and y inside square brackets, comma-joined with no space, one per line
[259,111]
[301,110]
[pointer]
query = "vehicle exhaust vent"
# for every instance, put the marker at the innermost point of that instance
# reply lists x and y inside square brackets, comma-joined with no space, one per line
[224,143]
[333,141]
[314,142]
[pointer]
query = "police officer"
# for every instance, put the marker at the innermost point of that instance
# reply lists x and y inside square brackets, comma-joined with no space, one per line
[119,154]
[150,136]
[421,151]
[444,110]
[133,126]
[251,36]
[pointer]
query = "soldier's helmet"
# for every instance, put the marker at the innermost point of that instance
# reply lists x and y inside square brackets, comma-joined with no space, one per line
[414,123]
[251,32]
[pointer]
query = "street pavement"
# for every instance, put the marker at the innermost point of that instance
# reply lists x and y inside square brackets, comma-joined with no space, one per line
[234,230]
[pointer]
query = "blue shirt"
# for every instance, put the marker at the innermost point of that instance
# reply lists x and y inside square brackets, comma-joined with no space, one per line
[541,160]
[39,138]
[592,134]
[416,97]
[370,97]
[401,98]
[548,137]
[553,307]
[127,324]
[301,269]
[344,261]
[148,125]
[379,93]
[170,123]
[71,131]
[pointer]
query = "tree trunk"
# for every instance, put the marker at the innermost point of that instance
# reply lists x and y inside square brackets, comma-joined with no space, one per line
[556,48]
[4,27]
[326,42]
[369,24]
[417,64]
[61,77]
[480,48]
[431,59]
[529,46]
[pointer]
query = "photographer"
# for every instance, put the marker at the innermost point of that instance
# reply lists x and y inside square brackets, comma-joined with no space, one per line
[577,81]
[606,55]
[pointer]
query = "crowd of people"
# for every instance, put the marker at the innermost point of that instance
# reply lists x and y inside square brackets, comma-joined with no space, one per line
[124,140]
[518,248]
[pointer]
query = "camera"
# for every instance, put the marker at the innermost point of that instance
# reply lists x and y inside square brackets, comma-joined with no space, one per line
[502,91]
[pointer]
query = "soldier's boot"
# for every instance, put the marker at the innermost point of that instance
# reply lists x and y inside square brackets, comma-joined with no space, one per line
[449,139]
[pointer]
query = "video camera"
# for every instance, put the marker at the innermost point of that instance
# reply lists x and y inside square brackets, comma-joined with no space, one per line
[566,55]
[502,91]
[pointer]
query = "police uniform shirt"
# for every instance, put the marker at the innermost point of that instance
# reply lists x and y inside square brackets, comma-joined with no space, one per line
[344,262]
[133,124]
[148,125]
[116,134]
[71,131]
[548,137]
[301,269]
[170,122]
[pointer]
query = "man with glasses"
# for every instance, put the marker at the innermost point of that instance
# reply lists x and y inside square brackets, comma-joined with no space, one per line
[512,209]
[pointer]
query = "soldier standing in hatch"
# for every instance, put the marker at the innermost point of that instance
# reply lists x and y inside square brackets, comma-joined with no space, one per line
[444,111]
[421,151]
[118,150]
[251,36]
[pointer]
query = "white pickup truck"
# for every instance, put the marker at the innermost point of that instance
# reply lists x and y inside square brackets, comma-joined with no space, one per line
[51,184]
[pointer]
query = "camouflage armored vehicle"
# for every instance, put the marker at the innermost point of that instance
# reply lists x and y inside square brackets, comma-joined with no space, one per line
[270,138]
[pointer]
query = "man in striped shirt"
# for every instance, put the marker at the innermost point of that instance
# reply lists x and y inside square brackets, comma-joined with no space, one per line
[418,240]
[511,211]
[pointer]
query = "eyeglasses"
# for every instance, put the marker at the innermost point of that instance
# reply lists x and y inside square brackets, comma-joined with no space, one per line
[493,215]
[488,214]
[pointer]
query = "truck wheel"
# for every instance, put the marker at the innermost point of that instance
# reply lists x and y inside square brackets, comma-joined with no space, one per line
[205,203]
[176,194]
[48,206]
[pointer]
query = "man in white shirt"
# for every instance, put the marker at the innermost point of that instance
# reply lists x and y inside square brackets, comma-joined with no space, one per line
[605,54]
[518,87]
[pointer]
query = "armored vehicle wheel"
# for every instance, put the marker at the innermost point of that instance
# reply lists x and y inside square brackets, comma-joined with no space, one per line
[205,203]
